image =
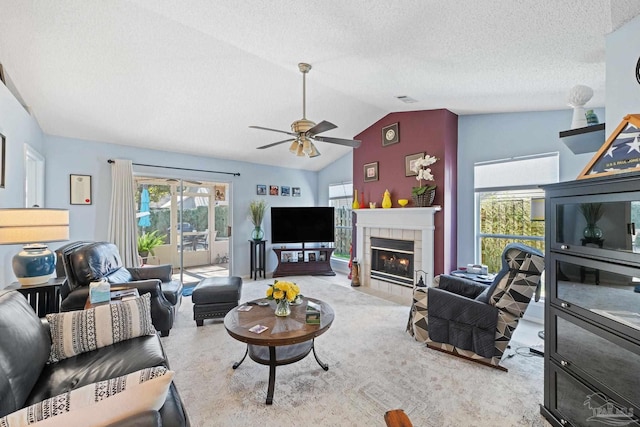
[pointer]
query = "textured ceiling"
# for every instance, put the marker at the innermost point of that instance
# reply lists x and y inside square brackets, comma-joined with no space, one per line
[157,74]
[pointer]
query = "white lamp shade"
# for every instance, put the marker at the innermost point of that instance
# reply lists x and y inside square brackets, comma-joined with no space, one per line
[33,225]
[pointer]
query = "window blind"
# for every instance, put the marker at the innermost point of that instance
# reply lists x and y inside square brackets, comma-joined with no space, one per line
[517,172]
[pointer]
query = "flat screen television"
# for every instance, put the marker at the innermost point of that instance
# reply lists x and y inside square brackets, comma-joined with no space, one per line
[302,225]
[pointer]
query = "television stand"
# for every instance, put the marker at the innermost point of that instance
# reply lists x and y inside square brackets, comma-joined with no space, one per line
[303,261]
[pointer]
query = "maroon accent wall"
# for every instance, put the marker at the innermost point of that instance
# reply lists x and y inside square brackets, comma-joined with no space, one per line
[434,132]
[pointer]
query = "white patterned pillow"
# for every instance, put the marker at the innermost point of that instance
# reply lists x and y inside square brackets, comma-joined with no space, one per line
[81,331]
[98,404]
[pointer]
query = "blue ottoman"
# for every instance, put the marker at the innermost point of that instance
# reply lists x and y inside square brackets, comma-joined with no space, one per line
[214,297]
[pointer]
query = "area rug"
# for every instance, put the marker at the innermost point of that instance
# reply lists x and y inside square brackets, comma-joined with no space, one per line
[374,366]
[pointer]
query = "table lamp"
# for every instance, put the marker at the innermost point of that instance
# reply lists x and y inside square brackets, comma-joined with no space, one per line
[33,227]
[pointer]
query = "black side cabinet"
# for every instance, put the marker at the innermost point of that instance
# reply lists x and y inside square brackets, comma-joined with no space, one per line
[44,297]
[592,308]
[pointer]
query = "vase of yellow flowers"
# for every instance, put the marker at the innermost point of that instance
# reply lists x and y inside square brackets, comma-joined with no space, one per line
[284,293]
[423,196]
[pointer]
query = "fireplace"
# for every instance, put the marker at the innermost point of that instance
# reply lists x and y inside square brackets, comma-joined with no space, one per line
[392,260]
[415,225]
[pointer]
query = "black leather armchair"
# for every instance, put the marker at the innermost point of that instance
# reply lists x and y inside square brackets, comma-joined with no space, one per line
[473,320]
[87,262]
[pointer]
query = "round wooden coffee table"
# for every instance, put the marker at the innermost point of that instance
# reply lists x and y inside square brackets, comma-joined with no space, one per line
[287,339]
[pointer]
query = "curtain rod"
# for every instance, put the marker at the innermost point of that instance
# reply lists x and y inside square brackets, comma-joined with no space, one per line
[184,169]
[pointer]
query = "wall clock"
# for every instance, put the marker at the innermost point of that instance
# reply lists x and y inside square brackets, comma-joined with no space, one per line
[390,134]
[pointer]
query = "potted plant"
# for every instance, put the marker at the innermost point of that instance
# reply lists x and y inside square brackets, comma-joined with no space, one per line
[147,242]
[423,196]
[257,209]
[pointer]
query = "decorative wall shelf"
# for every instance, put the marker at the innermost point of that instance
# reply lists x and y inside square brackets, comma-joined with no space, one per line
[588,139]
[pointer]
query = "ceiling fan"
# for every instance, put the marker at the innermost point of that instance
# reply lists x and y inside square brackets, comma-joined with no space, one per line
[304,132]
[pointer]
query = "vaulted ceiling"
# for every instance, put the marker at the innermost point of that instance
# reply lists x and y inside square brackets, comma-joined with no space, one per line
[192,77]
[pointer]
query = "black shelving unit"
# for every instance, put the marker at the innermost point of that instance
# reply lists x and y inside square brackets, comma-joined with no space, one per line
[592,321]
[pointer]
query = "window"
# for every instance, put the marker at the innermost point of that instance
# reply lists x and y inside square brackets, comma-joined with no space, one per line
[505,190]
[505,217]
[340,198]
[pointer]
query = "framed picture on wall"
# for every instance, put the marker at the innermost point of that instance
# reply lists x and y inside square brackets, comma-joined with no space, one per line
[3,155]
[295,191]
[80,189]
[285,191]
[409,162]
[221,193]
[371,172]
[390,134]
[274,190]
[261,190]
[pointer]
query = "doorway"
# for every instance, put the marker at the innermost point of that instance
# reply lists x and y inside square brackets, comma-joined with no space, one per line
[192,219]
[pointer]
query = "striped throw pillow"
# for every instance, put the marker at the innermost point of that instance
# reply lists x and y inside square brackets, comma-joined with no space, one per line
[81,331]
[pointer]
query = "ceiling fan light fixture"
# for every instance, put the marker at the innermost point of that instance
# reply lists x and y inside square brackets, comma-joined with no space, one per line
[294,146]
[300,153]
[306,146]
[314,151]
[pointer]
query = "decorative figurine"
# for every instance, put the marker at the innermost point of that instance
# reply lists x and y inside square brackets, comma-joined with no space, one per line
[386,200]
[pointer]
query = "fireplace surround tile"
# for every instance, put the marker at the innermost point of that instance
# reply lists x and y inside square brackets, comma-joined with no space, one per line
[416,224]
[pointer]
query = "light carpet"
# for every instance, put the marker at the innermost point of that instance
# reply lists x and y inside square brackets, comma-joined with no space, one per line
[374,366]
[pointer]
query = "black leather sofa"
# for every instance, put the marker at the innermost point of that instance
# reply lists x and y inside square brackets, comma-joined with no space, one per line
[26,377]
[86,262]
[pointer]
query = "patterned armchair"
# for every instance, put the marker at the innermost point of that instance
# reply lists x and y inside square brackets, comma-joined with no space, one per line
[472,320]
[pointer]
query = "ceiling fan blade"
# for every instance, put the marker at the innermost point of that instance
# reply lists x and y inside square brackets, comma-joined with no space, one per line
[323,126]
[348,142]
[274,130]
[276,143]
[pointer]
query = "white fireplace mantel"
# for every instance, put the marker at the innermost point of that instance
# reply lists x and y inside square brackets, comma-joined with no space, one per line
[421,219]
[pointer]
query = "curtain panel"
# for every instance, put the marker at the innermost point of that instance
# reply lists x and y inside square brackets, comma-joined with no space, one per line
[123,229]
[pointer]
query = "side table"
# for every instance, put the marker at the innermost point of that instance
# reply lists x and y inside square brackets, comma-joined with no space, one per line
[44,297]
[485,279]
[257,259]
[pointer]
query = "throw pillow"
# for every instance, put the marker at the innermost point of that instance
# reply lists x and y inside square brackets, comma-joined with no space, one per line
[76,332]
[100,403]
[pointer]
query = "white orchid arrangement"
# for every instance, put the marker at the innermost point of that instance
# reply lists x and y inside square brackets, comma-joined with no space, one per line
[421,167]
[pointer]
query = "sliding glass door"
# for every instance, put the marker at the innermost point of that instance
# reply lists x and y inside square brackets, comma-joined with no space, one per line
[190,221]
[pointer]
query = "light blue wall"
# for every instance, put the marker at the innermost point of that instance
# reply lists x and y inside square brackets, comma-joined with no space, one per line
[337,172]
[340,171]
[19,128]
[502,136]
[623,91]
[67,156]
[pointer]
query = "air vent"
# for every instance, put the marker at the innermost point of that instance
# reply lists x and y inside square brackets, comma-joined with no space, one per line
[406,99]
